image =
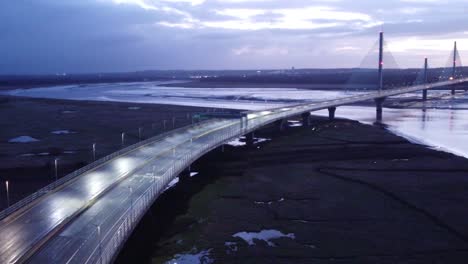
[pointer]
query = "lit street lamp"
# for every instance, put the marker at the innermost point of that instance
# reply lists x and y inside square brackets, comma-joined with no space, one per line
[123,139]
[7,193]
[98,227]
[131,202]
[56,169]
[94,151]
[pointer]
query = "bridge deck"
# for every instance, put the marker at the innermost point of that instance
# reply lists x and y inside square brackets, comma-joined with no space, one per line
[105,203]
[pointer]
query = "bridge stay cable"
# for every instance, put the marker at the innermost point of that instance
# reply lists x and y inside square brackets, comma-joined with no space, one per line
[365,77]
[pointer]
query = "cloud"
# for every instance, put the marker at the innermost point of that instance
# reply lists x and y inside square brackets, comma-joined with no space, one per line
[263,51]
[310,17]
[48,36]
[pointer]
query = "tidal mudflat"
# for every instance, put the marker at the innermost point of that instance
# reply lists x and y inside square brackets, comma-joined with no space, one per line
[35,132]
[335,192]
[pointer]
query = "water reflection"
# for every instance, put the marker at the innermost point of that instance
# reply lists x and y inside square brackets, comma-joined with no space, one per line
[444,129]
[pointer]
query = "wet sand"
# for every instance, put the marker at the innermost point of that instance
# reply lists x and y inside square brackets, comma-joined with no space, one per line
[198,84]
[340,192]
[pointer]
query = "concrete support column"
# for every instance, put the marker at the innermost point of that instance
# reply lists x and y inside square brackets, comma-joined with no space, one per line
[379,108]
[249,139]
[305,119]
[185,174]
[426,65]
[331,113]
[244,121]
[281,124]
[454,69]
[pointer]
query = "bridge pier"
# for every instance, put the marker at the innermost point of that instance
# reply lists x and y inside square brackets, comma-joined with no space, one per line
[243,121]
[185,174]
[424,95]
[379,108]
[305,119]
[281,124]
[331,113]
[249,139]
[453,91]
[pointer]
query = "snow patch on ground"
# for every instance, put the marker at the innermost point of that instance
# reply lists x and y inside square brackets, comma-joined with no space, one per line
[261,140]
[192,258]
[294,123]
[134,108]
[62,132]
[265,235]
[231,247]
[23,139]
[236,143]
[69,112]
[239,143]
[192,174]
[28,155]
[269,202]
[172,183]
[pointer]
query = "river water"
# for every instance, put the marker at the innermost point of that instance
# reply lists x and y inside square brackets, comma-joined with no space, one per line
[442,129]
[441,123]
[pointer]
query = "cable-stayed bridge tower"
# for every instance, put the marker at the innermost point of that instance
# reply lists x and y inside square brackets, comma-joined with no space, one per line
[454,65]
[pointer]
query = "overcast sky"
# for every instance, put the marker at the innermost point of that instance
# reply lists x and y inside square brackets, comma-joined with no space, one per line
[76,36]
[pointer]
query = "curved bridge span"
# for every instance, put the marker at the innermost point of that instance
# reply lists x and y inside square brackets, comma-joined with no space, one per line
[87,216]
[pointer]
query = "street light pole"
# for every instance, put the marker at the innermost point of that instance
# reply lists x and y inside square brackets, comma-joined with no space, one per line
[131,202]
[100,242]
[139,133]
[7,193]
[123,139]
[98,227]
[94,151]
[56,169]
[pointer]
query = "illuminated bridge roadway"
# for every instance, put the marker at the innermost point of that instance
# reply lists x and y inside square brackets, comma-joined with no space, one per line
[87,216]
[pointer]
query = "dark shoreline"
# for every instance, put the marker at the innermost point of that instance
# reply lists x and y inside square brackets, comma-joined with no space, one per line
[405,191]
